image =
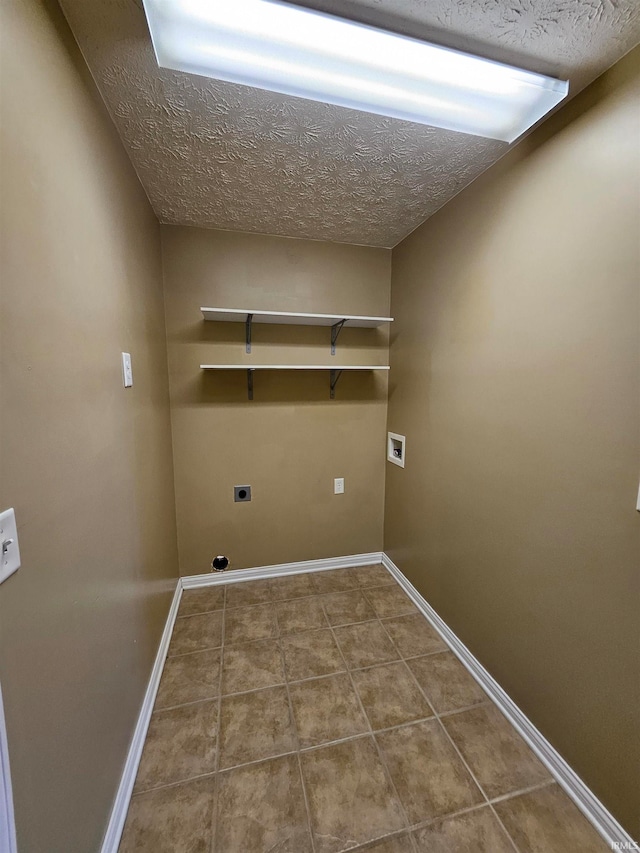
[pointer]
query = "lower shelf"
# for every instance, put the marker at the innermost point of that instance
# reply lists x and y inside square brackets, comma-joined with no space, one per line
[335,371]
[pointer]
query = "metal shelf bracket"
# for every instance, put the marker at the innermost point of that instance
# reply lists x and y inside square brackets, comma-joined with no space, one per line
[247,327]
[250,383]
[334,376]
[335,331]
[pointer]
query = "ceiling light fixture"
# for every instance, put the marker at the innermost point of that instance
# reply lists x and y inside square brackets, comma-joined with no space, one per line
[273,45]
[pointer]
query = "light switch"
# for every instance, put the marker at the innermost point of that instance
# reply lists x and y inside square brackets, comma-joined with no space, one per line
[338,486]
[127,372]
[9,549]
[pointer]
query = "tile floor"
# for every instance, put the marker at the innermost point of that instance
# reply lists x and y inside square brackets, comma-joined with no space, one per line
[320,713]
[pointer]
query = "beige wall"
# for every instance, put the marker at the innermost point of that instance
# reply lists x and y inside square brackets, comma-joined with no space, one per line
[515,378]
[292,440]
[86,464]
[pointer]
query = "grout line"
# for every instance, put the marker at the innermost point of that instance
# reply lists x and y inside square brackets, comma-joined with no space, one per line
[175,784]
[250,606]
[371,734]
[195,652]
[364,734]
[425,654]
[263,760]
[213,698]
[295,731]
[504,828]
[256,689]
[422,824]
[199,613]
[523,791]
[482,704]
[204,612]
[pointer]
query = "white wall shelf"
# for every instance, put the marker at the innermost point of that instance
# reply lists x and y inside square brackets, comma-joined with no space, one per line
[248,316]
[335,371]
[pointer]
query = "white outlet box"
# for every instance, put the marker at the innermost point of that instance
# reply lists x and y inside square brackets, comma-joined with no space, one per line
[395,448]
[338,486]
[9,548]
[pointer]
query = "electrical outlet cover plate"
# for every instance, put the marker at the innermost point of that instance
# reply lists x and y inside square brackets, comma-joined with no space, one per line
[242,494]
[10,551]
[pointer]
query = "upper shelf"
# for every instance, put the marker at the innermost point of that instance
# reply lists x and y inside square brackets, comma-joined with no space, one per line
[287,318]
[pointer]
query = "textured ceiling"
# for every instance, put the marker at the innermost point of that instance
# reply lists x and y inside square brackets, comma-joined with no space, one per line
[220,155]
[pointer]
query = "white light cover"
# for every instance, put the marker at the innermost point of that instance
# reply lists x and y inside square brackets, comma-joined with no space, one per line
[283,48]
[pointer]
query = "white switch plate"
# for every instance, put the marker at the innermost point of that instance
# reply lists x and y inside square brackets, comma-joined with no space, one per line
[638,504]
[9,548]
[338,486]
[127,372]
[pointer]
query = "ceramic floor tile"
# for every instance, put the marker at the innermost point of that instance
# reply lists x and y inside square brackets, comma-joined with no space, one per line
[180,744]
[390,695]
[196,633]
[429,776]
[365,644]
[301,614]
[189,678]
[326,709]
[344,608]
[390,601]
[248,592]
[499,758]
[243,624]
[201,600]
[546,821]
[261,809]
[446,682]
[251,666]
[373,575]
[292,586]
[350,798]
[473,832]
[310,654]
[335,580]
[414,636]
[254,726]
[170,820]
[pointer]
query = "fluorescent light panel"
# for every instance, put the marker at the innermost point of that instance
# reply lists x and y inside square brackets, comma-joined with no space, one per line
[283,48]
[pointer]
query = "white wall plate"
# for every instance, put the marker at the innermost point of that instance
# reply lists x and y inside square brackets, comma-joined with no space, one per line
[9,548]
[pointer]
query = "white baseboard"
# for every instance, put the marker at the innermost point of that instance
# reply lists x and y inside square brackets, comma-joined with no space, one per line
[8,843]
[123,795]
[213,578]
[591,807]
